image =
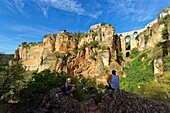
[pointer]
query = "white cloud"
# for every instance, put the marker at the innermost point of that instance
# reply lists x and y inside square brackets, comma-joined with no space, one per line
[65,5]
[14,5]
[95,15]
[134,10]
[71,6]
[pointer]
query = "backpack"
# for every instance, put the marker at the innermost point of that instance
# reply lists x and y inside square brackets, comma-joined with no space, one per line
[66,88]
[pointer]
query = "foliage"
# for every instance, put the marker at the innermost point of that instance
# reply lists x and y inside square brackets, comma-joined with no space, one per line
[94,34]
[164,20]
[93,58]
[43,82]
[37,87]
[134,52]
[100,37]
[83,35]
[128,45]
[165,33]
[158,90]
[104,70]
[146,39]
[24,43]
[166,65]
[87,88]
[94,43]
[150,32]
[11,81]
[82,47]
[137,73]
[103,23]
[104,47]
[76,51]
[119,56]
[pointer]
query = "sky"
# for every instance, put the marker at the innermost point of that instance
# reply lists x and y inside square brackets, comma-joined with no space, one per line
[29,20]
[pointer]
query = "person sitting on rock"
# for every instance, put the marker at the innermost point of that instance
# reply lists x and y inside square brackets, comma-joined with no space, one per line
[113,81]
[69,88]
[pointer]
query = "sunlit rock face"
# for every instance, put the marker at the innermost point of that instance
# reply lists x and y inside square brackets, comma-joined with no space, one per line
[91,54]
[87,54]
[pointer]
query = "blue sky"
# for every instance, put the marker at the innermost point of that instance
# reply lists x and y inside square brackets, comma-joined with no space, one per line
[29,20]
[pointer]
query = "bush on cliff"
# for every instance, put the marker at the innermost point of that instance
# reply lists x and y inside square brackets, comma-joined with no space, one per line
[43,82]
[134,52]
[158,90]
[166,65]
[137,73]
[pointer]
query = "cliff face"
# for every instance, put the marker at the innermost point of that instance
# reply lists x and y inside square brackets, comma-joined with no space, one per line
[91,54]
[150,37]
[88,54]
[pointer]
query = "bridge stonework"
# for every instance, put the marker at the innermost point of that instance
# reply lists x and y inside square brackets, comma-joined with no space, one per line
[132,35]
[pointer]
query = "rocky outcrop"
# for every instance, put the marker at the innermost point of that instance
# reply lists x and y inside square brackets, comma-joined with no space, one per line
[5,58]
[91,54]
[72,53]
[111,102]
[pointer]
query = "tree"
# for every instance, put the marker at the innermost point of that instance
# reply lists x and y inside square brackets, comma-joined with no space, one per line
[11,81]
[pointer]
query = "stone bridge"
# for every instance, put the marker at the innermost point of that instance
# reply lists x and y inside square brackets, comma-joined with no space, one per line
[131,35]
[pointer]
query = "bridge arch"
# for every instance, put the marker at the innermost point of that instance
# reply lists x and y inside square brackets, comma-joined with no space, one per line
[127,54]
[120,35]
[127,40]
[135,33]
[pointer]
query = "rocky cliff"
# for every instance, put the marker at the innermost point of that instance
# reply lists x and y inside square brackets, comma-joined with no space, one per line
[93,53]
[111,102]
[5,58]
[79,53]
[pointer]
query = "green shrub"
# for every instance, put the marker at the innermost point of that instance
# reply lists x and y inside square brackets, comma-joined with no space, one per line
[128,45]
[119,56]
[94,34]
[146,39]
[11,82]
[150,32]
[137,73]
[156,91]
[76,51]
[100,37]
[94,43]
[37,87]
[134,52]
[105,48]
[164,20]
[103,23]
[24,43]
[93,58]
[166,65]
[165,33]
[43,82]
[104,70]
